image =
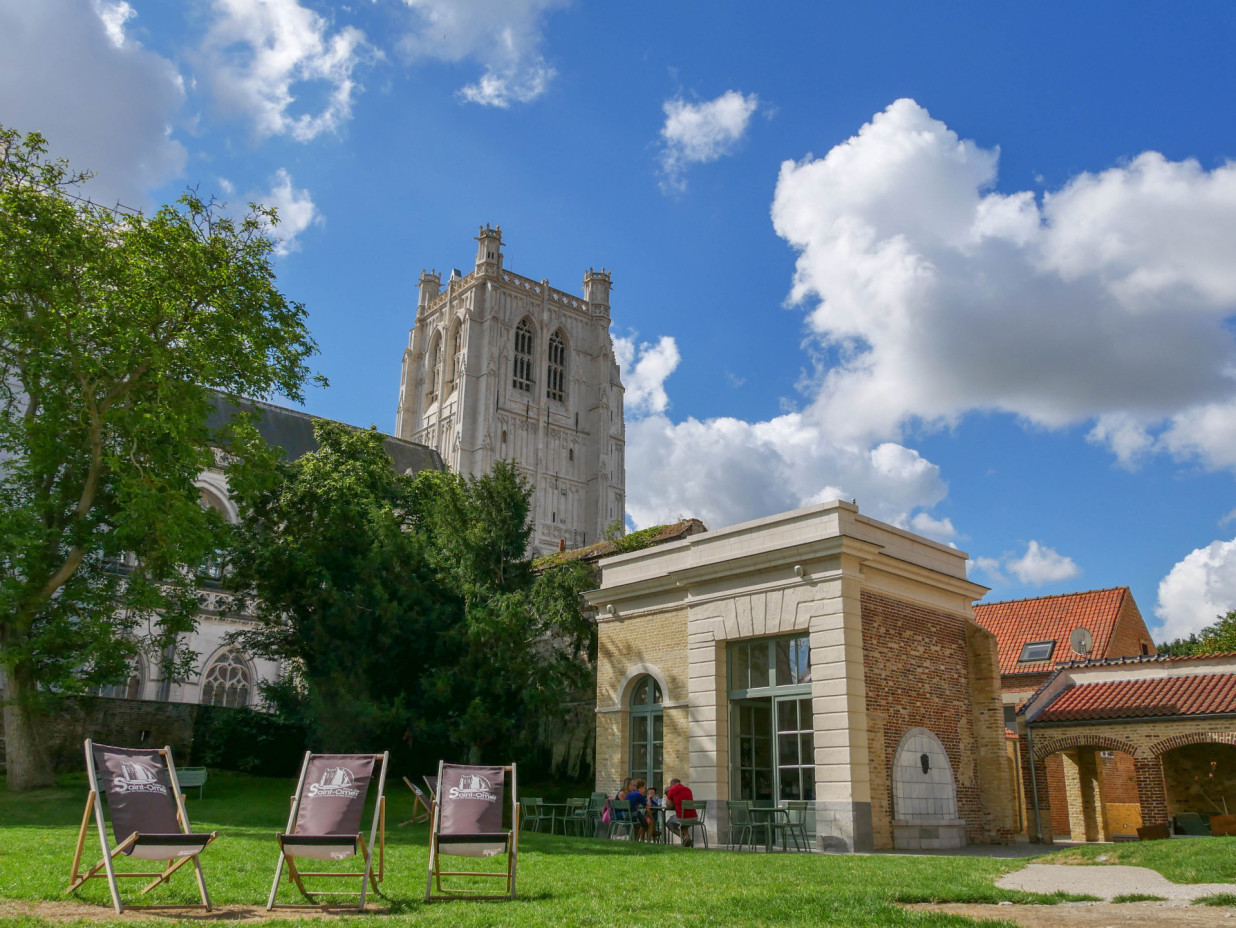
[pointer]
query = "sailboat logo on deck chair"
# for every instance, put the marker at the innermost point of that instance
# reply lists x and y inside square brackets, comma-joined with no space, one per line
[472,786]
[335,781]
[136,777]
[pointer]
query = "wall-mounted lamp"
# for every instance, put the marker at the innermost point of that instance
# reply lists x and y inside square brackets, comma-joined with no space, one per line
[799,572]
[610,610]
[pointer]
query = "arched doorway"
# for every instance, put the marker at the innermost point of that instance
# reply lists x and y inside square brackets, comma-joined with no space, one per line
[1200,778]
[647,731]
[1092,788]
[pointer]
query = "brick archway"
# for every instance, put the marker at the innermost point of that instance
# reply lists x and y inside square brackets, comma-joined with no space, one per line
[1043,749]
[1197,737]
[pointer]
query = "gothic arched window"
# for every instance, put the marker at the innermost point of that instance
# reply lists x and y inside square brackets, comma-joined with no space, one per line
[435,357]
[456,356]
[130,688]
[555,384]
[227,681]
[522,378]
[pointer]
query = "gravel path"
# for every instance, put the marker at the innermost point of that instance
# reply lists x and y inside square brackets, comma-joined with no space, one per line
[1107,882]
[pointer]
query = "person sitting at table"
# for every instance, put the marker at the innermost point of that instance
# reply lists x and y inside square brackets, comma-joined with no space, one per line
[654,804]
[639,811]
[676,795]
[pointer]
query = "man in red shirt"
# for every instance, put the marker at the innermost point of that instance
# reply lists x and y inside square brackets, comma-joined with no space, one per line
[676,795]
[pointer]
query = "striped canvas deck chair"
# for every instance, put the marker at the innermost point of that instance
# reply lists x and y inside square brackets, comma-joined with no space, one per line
[148,818]
[467,821]
[420,808]
[325,823]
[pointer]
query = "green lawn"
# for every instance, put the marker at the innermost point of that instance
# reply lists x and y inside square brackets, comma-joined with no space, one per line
[562,881]
[1181,860]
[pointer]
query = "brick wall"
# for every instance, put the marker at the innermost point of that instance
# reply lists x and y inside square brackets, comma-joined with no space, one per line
[1056,789]
[659,641]
[119,722]
[917,667]
[1200,778]
[1130,633]
[1119,776]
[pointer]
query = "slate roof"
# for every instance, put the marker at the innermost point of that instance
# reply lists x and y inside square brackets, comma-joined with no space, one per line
[292,430]
[1203,694]
[1051,618]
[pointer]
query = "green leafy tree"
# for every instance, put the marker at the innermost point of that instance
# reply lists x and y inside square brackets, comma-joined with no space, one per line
[115,328]
[523,644]
[407,607]
[1218,638]
[344,591]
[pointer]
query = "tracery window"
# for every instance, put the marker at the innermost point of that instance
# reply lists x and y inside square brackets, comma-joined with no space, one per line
[227,682]
[555,387]
[456,357]
[522,378]
[435,357]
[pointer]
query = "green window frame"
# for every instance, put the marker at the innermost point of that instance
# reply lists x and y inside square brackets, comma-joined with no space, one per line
[773,728]
[647,731]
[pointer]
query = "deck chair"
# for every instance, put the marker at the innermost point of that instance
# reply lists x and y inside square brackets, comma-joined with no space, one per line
[325,822]
[432,784]
[147,813]
[420,808]
[467,822]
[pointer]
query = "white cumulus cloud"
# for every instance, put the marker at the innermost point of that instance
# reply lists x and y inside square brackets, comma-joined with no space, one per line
[1199,589]
[265,56]
[503,36]
[932,294]
[644,370]
[296,211]
[1037,566]
[111,112]
[696,133]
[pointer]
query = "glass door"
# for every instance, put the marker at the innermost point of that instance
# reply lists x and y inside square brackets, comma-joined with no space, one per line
[795,752]
[647,733]
[753,738]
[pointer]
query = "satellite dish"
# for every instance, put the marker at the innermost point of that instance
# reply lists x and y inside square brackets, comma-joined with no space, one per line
[1081,640]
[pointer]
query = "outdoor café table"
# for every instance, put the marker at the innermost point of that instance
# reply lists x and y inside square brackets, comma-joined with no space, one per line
[764,812]
[557,812]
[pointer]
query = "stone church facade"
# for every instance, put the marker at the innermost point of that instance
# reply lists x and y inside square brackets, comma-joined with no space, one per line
[503,367]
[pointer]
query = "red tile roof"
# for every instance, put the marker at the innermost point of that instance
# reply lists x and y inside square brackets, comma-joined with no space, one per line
[1051,618]
[1201,694]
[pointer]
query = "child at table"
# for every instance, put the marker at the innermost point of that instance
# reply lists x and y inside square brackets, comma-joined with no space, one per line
[639,813]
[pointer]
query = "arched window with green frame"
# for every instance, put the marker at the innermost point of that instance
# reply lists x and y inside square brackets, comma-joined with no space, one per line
[647,731]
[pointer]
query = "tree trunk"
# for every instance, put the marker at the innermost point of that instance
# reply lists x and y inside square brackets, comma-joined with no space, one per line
[24,753]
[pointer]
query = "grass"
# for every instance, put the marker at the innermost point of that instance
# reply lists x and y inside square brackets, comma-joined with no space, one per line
[562,881]
[1184,860]
[1224,899]
[1138,897]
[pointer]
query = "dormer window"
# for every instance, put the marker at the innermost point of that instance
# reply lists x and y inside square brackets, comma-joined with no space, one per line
[1035,652]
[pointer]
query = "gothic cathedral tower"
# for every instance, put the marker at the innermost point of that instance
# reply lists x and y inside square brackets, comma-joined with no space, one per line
[500,366]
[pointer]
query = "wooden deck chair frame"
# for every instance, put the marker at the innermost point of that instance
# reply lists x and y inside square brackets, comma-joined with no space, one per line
[94,803]
[377,838]
[434,880]
[420,811]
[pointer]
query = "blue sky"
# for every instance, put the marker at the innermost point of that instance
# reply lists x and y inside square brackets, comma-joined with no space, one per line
[971,264]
